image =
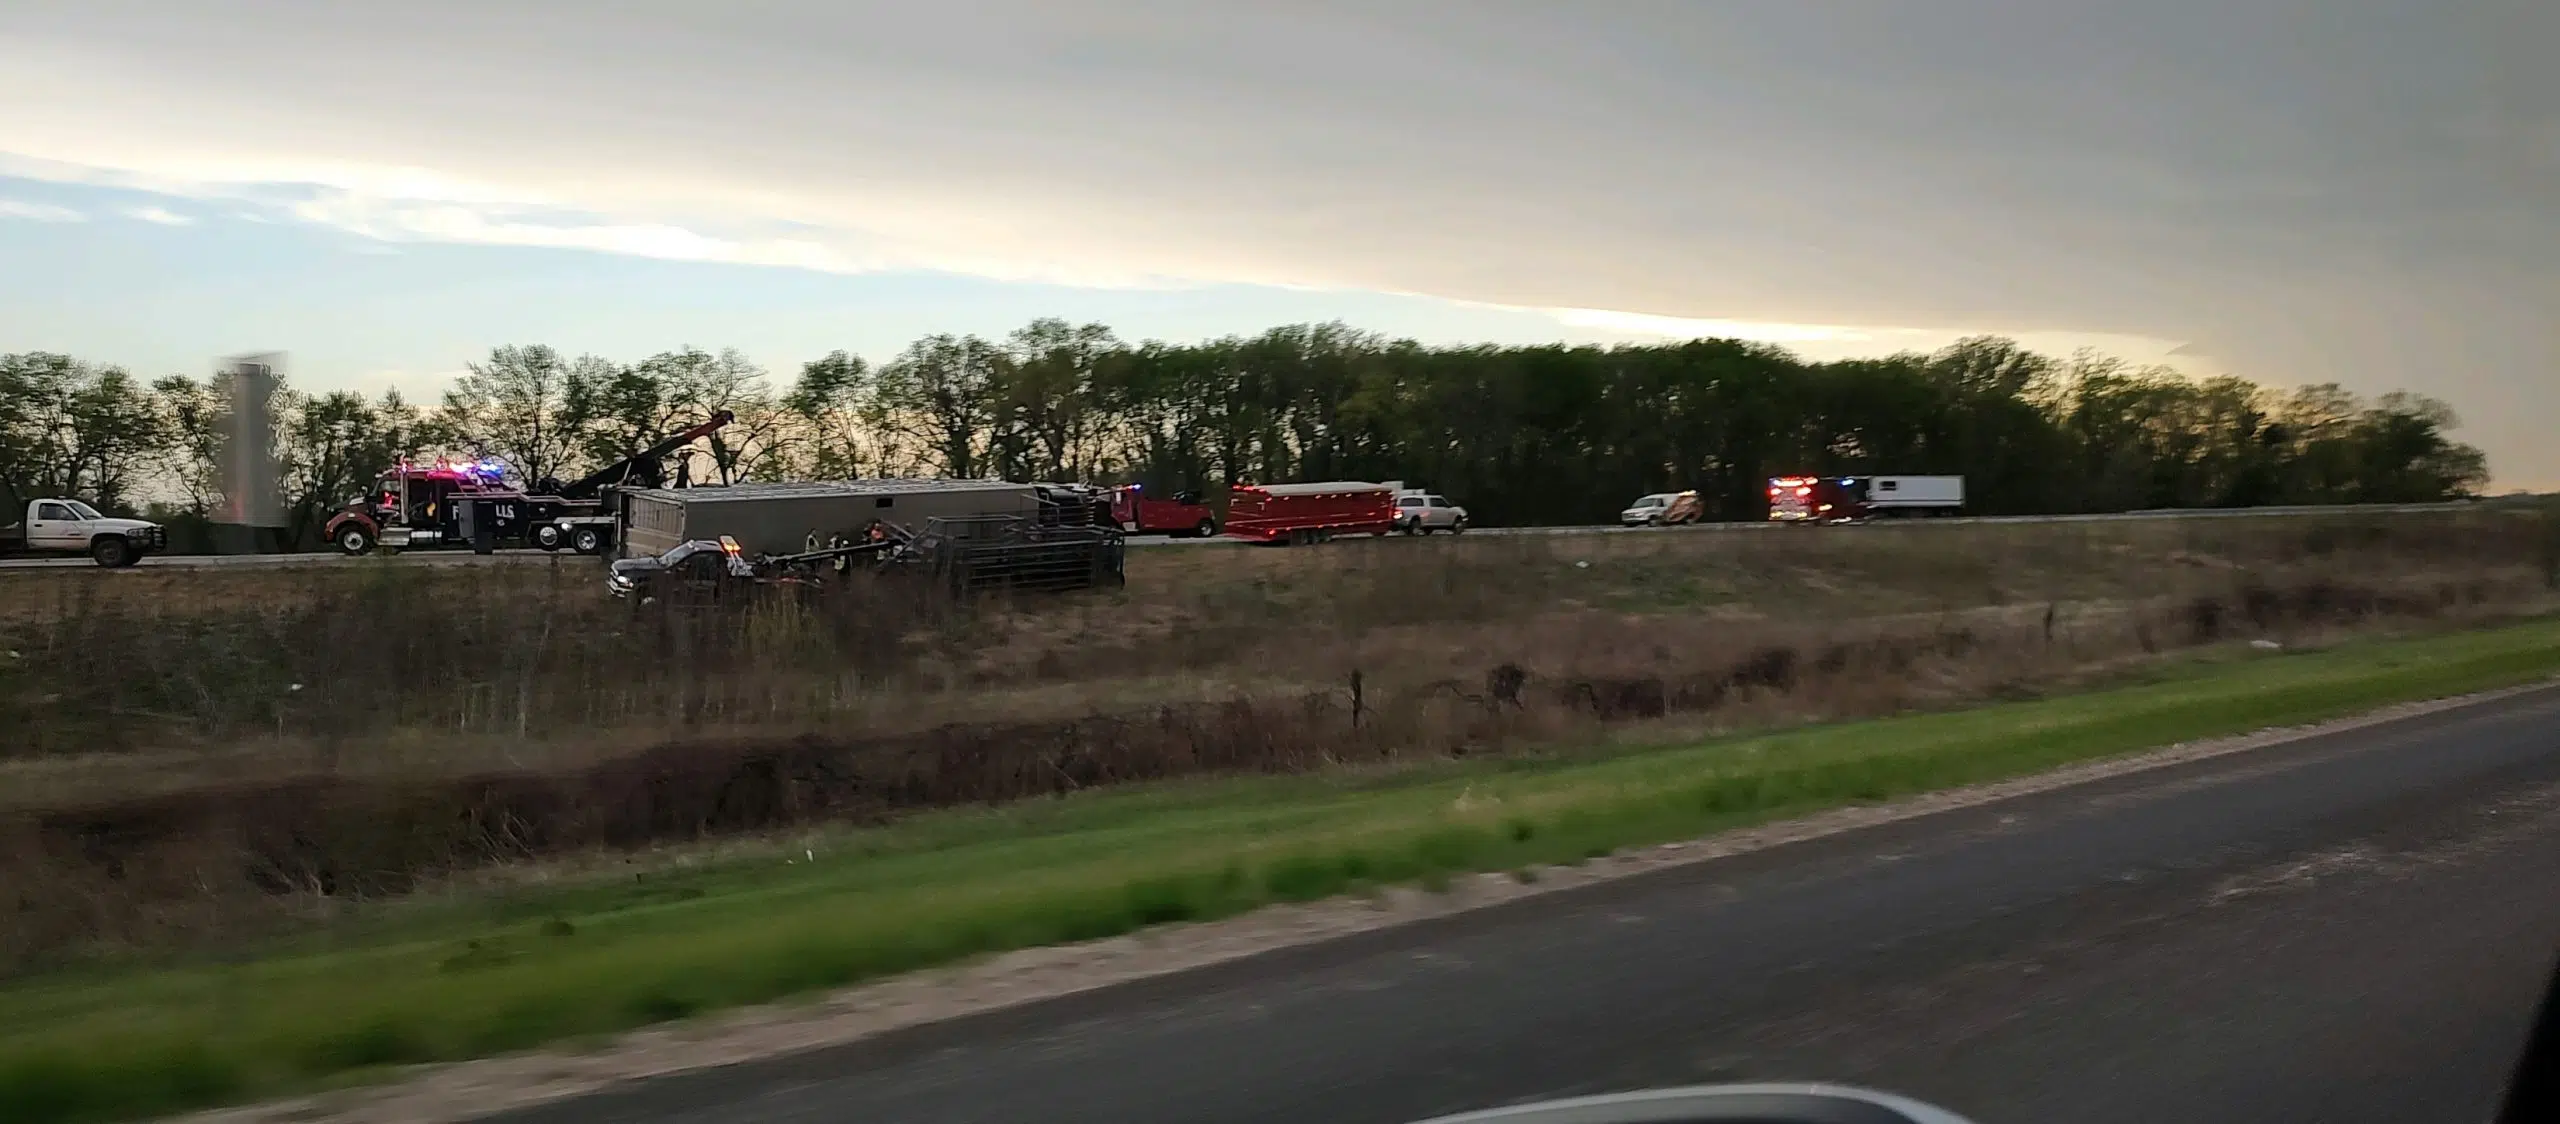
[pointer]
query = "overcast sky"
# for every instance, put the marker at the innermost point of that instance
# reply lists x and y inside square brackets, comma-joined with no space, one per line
[2298,191]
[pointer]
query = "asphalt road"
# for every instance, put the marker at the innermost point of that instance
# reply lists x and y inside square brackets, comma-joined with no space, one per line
[2349,929]
[464,557]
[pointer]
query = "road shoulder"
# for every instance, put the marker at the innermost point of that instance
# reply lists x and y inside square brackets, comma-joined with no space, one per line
[952,999]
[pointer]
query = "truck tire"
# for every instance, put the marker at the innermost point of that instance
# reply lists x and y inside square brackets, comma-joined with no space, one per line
[1208,528]
[548,537]
[111,551]
[587,540]
[354,539]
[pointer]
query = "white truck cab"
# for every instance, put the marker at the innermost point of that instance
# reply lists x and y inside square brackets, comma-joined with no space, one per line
[70,527]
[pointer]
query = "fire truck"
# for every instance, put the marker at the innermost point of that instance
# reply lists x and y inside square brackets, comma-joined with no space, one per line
[1845,499]
[1178,514]
[476,503]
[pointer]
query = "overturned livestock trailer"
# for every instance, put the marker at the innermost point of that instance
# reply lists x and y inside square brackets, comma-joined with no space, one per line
[785,518]
[976,553]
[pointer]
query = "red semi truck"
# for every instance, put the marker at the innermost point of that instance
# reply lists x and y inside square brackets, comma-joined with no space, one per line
[1844,499]
[1307,513]
[1181,513]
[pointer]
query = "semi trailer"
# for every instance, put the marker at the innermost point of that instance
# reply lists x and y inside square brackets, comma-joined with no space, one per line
[780,519]
[1308,513]
[959,556]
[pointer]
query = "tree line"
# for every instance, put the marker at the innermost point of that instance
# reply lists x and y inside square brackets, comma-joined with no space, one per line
[1521,435]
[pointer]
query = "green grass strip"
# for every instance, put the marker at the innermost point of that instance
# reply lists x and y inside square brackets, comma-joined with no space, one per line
[432,982]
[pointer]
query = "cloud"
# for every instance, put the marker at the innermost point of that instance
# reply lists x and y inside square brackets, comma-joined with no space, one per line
[400,219]
[38,212]
[160,215]
[458,222]
[1686,327]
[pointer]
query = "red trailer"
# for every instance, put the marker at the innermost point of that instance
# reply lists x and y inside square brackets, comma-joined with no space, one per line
[1305,513]
[1182,513]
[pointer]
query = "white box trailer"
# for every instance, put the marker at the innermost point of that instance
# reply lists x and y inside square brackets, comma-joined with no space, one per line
[1931,495]
[780,518]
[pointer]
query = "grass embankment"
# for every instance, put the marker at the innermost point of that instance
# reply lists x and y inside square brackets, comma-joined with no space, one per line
[434,981]
[457,669]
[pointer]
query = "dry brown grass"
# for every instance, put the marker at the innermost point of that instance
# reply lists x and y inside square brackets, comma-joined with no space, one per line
[211,753]
[437,669]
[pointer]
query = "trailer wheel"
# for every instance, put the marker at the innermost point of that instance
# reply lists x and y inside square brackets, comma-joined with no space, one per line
[354,539]
[112,551]
[587,540]
[548,537]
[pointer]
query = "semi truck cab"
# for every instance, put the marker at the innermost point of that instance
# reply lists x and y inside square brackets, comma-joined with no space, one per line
[1843,499]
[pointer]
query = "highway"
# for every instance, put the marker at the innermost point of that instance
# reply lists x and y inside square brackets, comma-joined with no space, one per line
[463,557]
[2343,929]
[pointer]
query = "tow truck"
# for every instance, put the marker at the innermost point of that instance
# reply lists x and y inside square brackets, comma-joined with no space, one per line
[474,503]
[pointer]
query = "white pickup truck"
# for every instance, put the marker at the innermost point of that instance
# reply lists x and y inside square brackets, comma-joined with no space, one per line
[52,526]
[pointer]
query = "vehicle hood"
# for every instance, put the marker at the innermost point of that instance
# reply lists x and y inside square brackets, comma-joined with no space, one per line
[123,526]
[635,570]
